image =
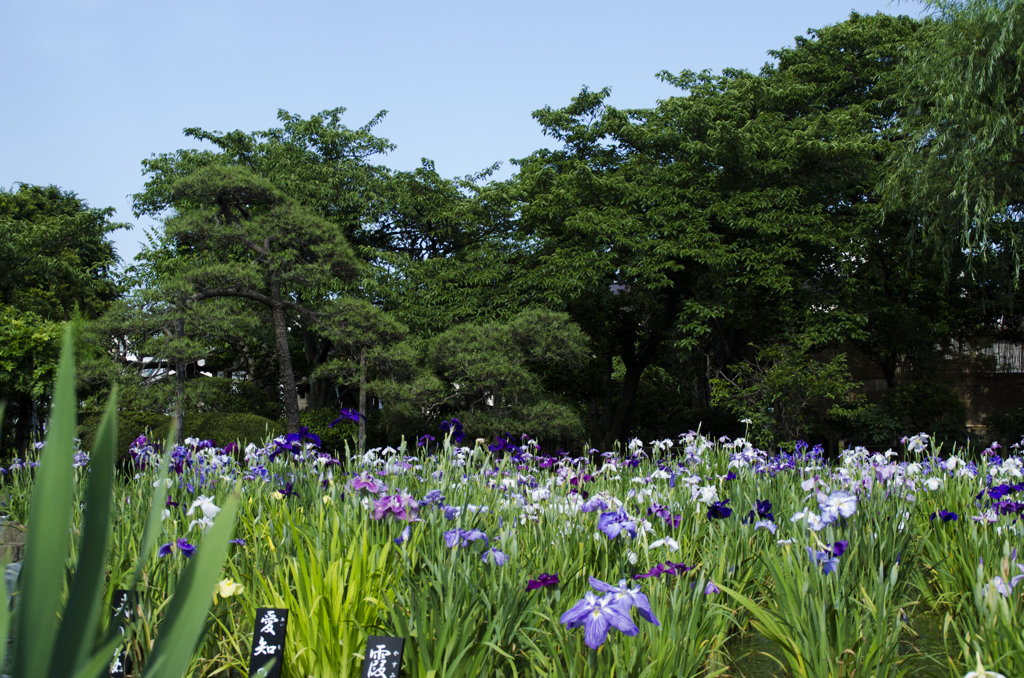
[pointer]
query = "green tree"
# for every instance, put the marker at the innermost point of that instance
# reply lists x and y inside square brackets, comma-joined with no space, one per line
[389,218]
[784,392]
[962,115]
[250,241]
[58,264]
[491,376]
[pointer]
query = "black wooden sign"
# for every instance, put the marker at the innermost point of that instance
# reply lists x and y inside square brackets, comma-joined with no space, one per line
[383,657]
[268,642]
[122,608]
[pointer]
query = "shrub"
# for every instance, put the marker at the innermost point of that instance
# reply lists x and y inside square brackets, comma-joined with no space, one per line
[332,439]
[220,427]
[130,426]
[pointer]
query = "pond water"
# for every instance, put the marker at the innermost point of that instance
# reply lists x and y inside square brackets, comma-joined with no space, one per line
[757,655]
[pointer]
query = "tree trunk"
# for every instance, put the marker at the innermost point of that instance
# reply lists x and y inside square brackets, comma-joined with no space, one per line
[284,359]
[362,400]
[626,408]
[317,350]
[179,388]
[23,426]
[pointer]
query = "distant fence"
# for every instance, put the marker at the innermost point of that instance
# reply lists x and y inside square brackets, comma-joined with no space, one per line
[986,372]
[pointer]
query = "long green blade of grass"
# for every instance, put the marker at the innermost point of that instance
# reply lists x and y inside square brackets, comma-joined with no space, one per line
[184,622]
[154,522]
[5,613]
[48,525]
[74,640]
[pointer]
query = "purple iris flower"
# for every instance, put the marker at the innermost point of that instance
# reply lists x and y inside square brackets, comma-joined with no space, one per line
[346,413]
[944,515]
[455,426]
[594,503]
[239,542]
[668,567]
[494,555]
[711,588]
[404,535]
[597,616]
[364,483]
[303,433]
[613,523]
[544,580]
[627,595]
[402,506]
[453,537]
[182,545]
[828,564]
[287,491]
[424,440]
[432,497]
[762,510]
[719,510]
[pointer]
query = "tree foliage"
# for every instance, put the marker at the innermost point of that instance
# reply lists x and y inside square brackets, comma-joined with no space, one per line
[962,102]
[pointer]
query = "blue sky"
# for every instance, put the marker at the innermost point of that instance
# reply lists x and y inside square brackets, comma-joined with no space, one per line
[91,87]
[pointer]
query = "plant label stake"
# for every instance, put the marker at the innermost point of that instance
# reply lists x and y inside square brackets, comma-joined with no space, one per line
[122,603]
[268,642]
[383,657]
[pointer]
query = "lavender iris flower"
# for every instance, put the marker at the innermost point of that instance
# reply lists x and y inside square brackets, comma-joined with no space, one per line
[453,537]
[402,506]
[432,497]
[364,483]
[615,522]
[597,616]
[495,556]
[595,503]
[828,564]
[839,503]
[668,567]
[631,596]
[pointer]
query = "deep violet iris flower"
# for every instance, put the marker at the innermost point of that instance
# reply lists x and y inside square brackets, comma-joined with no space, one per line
[543,581]
[182,545]
[719,510]
[455,426]
[762,510]
[346,413]
[597,616]
[613,523]
[945,516]
[287,491]
[303,433]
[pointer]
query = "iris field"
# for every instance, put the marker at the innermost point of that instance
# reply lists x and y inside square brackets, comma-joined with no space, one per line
[502,559]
